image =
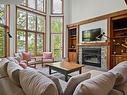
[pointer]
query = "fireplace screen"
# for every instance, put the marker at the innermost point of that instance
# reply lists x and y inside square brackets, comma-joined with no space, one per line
[91,56]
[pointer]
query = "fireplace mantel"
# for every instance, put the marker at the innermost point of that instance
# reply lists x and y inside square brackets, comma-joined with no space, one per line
[94,44]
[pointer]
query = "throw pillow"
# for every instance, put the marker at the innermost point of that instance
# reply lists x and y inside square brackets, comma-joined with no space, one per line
[47,55]
[13,72]
[99,85]
[120,70]
[74,81]
[23,65]
[34,83]
[26,56]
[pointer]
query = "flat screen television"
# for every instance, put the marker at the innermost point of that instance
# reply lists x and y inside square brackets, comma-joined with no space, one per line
[90,35]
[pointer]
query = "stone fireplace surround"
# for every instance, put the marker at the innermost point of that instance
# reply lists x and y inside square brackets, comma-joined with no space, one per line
[103,55]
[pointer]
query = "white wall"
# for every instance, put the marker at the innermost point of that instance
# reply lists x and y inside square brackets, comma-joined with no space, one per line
[98,24]
[86,9]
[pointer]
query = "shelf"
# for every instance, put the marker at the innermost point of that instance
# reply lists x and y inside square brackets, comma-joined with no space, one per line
[120,55]
[72,48]
[94,44]
[119,37]
[115,30]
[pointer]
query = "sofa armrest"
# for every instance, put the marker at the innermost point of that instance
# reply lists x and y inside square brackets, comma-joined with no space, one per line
[95,73]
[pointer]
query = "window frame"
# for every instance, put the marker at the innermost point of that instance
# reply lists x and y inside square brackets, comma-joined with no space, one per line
[27,7]
[58,33]
[57,13]
[28,31]
[6,26]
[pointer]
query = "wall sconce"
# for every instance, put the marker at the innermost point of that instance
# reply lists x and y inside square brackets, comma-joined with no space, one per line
[9,35]
[103,34]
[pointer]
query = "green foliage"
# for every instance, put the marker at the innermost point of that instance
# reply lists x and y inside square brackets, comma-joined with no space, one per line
[21,19]
[2,44]
[56,27]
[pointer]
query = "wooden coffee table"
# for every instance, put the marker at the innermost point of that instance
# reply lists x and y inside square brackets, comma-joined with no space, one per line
[65,68]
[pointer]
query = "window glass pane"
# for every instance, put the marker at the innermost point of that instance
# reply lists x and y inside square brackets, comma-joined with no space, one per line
[40,23]
[56,24]
[41,5]
[56,45]
[24,3]
[21,41]
[31,21]
[2,14]
[39,44]
[57,6]
[21,19]
[2,42]
[31,42]
[31,4]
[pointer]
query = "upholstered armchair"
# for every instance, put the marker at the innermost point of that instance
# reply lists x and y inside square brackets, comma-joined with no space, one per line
[30,61]
[47,57]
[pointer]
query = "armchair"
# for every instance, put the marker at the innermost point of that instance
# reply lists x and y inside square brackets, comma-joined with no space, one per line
[30,61]
[47,57]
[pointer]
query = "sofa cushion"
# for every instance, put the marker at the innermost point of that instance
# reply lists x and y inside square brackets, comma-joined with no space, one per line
[74,81]
[3,67]
[7,87]
[115,92]
[99,85]
[120,70]
[34,83]
[13,72]
[122,87]
[58,85]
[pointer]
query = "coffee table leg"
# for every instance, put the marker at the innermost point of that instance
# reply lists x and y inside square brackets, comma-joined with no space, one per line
[49,70]
[80,70]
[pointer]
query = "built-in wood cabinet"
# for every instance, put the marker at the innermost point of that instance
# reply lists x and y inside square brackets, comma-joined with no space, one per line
[73,43]
[118,39]
[116,42]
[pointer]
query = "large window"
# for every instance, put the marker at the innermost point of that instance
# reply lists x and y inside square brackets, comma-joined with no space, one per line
[57,23]
[3,30]
[30,31]
[57,36]
[57,6]
[39,5]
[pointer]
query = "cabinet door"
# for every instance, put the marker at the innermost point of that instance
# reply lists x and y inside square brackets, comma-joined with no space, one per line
[72,57]
[120,59]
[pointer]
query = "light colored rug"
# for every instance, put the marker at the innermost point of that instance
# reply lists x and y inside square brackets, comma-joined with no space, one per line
[45,70]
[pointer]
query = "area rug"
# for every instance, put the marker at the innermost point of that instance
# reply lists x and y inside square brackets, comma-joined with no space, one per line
[45,70]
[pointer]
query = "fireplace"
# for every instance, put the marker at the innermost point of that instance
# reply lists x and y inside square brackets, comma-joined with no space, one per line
[91,56]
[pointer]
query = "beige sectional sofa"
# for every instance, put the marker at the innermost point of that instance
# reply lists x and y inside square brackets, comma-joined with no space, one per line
[14,80]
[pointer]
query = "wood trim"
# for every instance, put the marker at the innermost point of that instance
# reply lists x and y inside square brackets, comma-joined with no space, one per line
[7,51]
[52,8]
[35,32]
[58,33]
[125,1]
[95,44]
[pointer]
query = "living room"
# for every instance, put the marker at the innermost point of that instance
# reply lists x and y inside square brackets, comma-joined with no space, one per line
[63,29]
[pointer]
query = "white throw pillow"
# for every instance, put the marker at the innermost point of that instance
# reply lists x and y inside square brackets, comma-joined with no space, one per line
[74,81]
[99,85]
[34,83]
[13,72]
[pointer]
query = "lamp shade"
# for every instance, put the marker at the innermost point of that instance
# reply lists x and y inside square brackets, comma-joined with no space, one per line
[11,1]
